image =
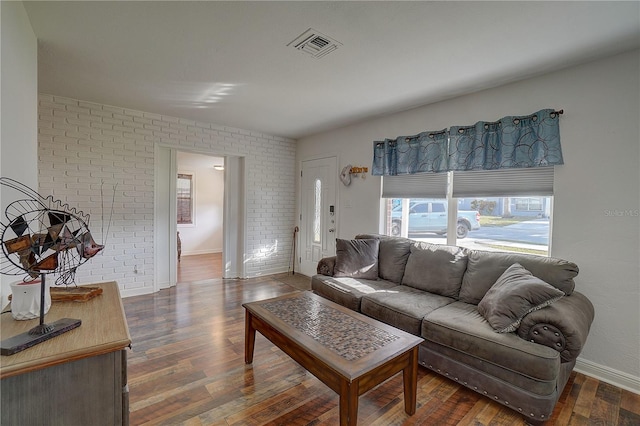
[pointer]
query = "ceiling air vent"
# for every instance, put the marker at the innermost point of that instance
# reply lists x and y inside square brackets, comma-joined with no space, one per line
[315,43]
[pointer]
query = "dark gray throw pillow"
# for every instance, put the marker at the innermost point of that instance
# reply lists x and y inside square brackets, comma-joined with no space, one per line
[515,294]
[357,258]
[435,268]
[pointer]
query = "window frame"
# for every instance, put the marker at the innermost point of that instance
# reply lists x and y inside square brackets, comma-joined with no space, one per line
[192,199]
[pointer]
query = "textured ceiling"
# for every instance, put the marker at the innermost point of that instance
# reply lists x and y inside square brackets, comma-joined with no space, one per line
[228,62]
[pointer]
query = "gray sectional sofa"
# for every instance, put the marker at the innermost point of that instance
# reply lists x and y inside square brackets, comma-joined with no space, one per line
[508,326]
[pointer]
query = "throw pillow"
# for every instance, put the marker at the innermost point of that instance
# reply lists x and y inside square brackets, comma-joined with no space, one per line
[435,268]
[515,294]
[357,258]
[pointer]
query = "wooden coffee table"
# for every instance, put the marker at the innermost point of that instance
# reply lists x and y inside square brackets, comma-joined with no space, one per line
[347,351]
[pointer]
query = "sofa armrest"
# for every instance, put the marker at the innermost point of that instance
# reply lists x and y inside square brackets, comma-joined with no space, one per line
[326,265]
[563,326]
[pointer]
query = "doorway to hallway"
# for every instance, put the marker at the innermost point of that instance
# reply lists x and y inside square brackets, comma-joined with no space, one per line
[200,217]
[233,217]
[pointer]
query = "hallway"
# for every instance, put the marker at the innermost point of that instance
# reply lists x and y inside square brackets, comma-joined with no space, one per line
[200,267]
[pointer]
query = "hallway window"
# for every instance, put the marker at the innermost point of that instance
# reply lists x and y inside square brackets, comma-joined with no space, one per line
[184,190]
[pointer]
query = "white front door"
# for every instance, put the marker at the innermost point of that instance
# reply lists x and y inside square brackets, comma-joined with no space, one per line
[318,213]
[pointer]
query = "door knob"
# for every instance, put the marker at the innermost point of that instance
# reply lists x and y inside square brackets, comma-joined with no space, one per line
[332,230]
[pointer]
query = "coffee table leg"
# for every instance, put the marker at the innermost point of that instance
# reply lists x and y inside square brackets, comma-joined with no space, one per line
[410,379]
[249,338]
[348,403]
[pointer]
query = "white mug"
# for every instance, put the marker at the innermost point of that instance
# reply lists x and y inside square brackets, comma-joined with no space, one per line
[25,299]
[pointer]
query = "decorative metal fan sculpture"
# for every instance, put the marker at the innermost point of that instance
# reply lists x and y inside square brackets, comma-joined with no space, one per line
[44,236]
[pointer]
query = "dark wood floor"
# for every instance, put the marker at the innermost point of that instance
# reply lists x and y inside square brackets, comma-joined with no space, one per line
[187,367]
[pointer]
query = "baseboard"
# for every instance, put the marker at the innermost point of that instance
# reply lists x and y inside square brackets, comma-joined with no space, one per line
[136,292]
[268,271]
[608,375]
[196,252]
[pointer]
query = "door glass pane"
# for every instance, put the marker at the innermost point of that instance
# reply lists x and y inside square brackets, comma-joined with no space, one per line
[317,209]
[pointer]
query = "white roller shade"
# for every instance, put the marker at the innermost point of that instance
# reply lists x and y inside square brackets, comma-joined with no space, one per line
[419,185]
[503,182]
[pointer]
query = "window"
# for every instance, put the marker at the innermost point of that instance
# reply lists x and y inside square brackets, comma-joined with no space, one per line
[437,208]
[184,190]
[505,210]
[493,223]
[518,224]
[426,219]
[529,204]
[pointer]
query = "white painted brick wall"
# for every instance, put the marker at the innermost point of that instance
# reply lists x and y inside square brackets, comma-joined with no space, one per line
[86,147]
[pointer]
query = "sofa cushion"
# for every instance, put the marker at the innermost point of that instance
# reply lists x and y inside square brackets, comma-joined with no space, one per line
[392,257]
[494,379]
[357,258]
[515,294]
[402,307]
[347,291]
[436,268]
[459,326]
[484,268]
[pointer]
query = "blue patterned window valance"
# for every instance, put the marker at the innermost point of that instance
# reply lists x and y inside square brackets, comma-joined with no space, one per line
[424,152]
[511,142]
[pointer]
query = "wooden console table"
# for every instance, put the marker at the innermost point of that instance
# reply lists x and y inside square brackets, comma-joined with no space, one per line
[79,377]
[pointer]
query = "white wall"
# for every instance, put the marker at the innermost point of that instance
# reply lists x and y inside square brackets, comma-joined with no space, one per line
[82,144]
[18,108]
[601,176]
[205,235]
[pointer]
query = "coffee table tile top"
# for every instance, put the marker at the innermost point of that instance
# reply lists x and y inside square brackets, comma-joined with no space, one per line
[347,336]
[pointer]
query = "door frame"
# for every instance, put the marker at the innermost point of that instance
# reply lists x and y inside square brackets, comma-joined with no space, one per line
[298,255]
[165,216]
[165,227]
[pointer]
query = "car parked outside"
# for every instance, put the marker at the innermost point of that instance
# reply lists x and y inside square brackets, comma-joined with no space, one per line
[430,216]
